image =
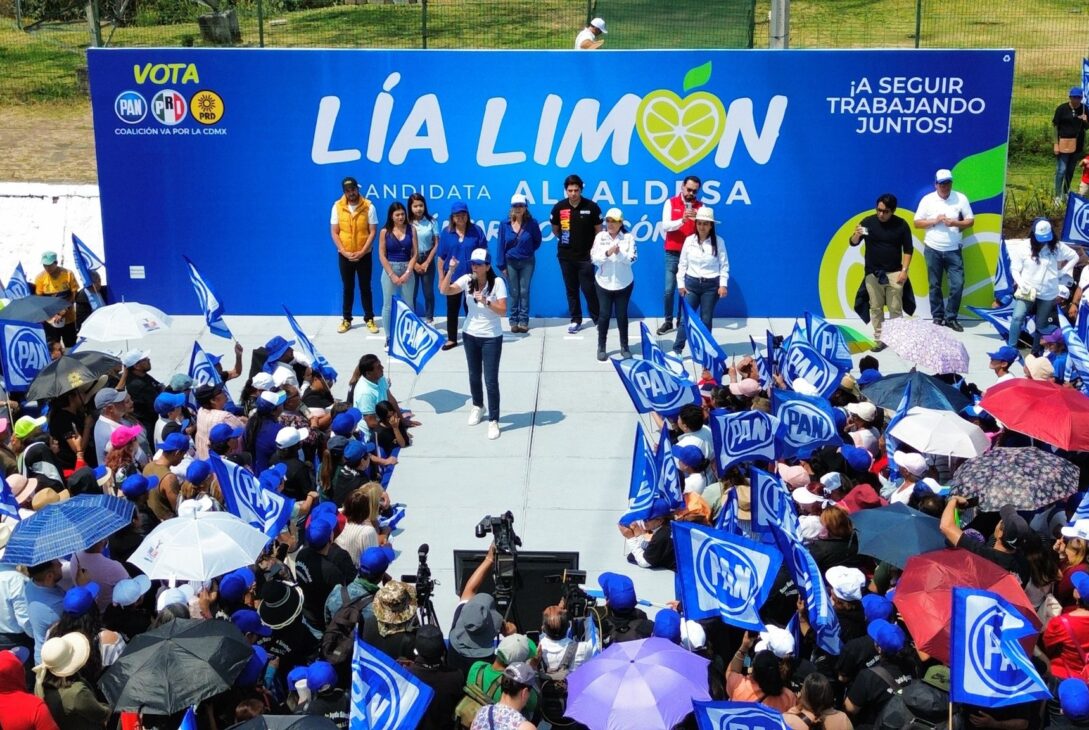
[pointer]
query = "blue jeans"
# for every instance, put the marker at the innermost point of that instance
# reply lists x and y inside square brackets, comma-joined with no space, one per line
[425,284]
[702,295]
[951,265]
[1044,309]
[1064,171]
[482,356]
[671,261]
[519,275]
[388,290]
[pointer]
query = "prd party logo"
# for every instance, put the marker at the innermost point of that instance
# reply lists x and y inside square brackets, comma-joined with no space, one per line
[169,107]
[130,107]
[681,132]
[206,106]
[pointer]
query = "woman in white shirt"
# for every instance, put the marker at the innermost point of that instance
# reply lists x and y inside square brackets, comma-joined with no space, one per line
[702,272]
[486,300]
[1036,275]
[612,254]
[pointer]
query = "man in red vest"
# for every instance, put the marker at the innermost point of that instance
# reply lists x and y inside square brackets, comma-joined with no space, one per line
[678,223]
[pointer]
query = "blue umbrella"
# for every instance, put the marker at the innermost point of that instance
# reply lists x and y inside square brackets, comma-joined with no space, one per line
[926,391]
[64,528]
[896,532]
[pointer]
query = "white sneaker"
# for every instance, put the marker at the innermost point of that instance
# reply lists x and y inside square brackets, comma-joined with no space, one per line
[493,430]
[476,415]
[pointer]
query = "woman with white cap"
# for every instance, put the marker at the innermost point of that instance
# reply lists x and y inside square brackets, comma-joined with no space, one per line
[1036,274]
[519,239]
[703,271]
[486,299]
[60,682]
[612,254]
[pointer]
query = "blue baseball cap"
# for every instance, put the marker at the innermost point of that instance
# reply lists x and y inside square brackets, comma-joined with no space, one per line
[344,424]
[459,206]
[374,561]
[857,458]
[868,376]
[222,432]
[294,676]
[1074,699]
[180,382]
[166,402]
[888,637]
[618,589]
[320,676]
[251,673]
[659,508]
[876,607]
[233,586]
[1076,91]
[128,591]
[198,471]
[176,441]
[1004,354]
[248,622]
[138,485]
[690,456]
[325,507]
[667,625]
[273,477]
[354,452]
[78,600]
[319,532]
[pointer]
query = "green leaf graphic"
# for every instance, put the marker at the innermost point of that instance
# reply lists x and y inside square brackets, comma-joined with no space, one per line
[697,77]
[982,175]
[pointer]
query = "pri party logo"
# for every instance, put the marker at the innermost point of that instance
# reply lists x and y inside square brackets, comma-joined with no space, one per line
[681,132]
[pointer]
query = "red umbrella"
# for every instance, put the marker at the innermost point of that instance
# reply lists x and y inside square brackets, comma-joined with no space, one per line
[924,595]
[1050,413]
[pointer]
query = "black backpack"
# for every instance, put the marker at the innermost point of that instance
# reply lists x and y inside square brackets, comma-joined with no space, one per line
[916,706]
[338,641]
[553,695]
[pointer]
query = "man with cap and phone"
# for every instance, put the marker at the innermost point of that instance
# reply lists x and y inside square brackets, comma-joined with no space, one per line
[353,224]
[141,387]
[1004,547]
[57,281]
[589,38]
[944,214]
[1070,121]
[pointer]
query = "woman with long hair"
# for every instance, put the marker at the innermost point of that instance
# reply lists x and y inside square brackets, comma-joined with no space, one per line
[816,707]
[63,682]
[486,298]
[703,272]
[358,533]
[519,239]
[1037,278]
[1072,547]
[457,241]
[427,237]
[397,255]
[121,454]
[612,254]
[377,502]
[763,684]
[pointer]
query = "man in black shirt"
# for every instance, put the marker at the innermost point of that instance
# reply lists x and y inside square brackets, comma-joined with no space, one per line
[576,221]
[876,684]
[888,255]
[142,388]
[319,567]
[1070,122]
[68,424]
[1003,549]
[447,682]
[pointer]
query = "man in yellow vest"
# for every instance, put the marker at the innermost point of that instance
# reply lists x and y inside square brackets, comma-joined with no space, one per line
[353,224]
[56,281]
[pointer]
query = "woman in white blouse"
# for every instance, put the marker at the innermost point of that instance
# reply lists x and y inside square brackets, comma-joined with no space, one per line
[1036,275]
[612,254]
[702,272]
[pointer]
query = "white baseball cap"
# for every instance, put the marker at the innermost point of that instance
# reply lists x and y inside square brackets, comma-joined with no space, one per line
[289,436]
[1079,529]
[132,357]
[263,381]
[599,24]
[779,642]
[517,199]
[865,410]
[614,214]
[910,462]
[846,583]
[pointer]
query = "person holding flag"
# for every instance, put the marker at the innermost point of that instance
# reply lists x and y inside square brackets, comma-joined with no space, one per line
[612,254]
[57,281]
[486,299]
[703,272]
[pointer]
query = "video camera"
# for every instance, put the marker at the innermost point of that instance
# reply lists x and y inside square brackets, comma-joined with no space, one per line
[506,542]
[576,601]
[425,587]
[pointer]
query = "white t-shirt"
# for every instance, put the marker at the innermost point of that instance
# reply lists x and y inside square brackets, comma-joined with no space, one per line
[941,237]
[372,216]
[584,35]
[701,439]
[482,321]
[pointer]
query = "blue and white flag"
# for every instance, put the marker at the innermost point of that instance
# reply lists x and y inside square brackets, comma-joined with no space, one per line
[796,335]
[891,443]
[763,368]
[1003,283]
[18,287]
[742,436]
[806,423]
[209,303]
[807,577]
[1082,512]
[1077,357]
[318,363]
[384,695]
[1082,325]
[803,361]
[828,341]
[668,484]
[1000,317]
[711,715]
[189,720]
[724,575]
[1085,77]
[23,351]
[412,340]
[705,351]
[727,519]
[81,258]
[246,499]
[772,506]
[1076,223]
[644,479]
[593,635]
[655,354]
[655,388]
[8,505]
[988,667]
[202,369]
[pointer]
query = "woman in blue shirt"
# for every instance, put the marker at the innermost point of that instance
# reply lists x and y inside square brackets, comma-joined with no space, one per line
[396,253]
[519,239]
[427,235]
[457,242]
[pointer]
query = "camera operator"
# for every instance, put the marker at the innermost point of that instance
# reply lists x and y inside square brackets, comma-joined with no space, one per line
[555,649]
[621,620]
[476,622]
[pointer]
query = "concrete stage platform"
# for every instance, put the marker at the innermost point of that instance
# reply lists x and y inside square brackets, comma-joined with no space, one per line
[562,463]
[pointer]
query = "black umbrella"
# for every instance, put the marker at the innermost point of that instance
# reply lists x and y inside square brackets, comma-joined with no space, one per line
[34,309]
[286,722]
[99,363]
[64,374]
[926,391]
[175,666]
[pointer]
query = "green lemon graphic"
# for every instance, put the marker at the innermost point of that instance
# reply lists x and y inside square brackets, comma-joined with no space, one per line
[681,132]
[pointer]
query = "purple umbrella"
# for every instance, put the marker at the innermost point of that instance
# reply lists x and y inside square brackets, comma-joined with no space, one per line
[645,684]
[925,344]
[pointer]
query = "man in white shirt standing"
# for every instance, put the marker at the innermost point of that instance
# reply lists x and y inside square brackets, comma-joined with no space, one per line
[588,38]
[944,214]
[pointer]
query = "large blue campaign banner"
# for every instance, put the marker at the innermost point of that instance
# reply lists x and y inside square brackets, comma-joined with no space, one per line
[235,157]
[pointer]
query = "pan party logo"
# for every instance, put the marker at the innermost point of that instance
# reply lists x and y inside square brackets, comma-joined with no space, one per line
[206,106]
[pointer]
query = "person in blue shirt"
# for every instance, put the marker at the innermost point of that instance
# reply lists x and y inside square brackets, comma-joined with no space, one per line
[44,601]
[519,239]
[457,242]
[261,429]
[427,238]
[397,255]
[1055,347]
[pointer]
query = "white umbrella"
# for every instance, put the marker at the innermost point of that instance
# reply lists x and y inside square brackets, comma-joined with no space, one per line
[198,546]
[944,433]
[124,321]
